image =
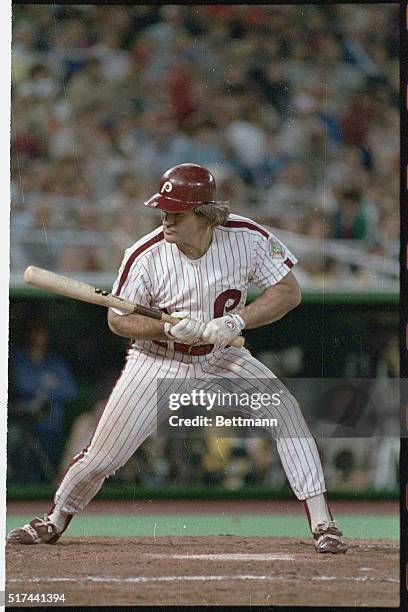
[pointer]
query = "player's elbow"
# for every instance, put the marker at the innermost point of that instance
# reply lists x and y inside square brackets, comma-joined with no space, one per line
[114,323]
[297,297]
[290,292]
[293,298]
[111,324]
[294,293]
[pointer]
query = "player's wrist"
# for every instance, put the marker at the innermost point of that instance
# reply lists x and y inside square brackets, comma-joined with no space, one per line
[167,331]
[239,320]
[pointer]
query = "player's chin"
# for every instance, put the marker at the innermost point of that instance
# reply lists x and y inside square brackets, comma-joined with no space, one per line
[170,236]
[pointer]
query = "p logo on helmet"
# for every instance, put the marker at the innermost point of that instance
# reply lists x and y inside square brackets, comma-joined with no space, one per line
[167,187]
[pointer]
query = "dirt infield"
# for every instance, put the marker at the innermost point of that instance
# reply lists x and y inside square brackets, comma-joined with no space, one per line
[219,570]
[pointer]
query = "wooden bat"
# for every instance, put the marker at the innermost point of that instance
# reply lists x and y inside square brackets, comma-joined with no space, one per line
[69,287]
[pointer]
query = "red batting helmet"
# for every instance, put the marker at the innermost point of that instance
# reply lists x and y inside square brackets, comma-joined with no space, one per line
[184,187]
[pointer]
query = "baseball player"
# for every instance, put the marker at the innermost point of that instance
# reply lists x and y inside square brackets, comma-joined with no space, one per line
[197,266]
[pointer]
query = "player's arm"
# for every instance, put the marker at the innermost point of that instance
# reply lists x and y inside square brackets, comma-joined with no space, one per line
[187,331]
[273,304]
[136,326]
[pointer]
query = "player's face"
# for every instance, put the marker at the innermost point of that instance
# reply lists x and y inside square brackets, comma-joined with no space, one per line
[180,227]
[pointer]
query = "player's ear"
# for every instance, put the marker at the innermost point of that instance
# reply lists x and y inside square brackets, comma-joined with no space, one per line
[204,221]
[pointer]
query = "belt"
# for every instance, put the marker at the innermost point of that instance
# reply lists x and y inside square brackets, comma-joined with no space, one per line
[190,349]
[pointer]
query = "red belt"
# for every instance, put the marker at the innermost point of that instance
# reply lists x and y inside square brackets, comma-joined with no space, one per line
[202,349]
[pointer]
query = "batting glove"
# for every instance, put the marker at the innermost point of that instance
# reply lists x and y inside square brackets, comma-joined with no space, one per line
[187,331]
[221,331]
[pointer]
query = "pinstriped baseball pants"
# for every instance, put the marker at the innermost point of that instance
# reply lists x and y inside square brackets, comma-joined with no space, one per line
[130,417]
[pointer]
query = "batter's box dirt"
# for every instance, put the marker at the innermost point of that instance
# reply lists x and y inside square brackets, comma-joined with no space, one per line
[218,570]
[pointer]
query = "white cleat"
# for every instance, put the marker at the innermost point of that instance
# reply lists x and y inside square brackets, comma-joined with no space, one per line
[38,531]
[328,539]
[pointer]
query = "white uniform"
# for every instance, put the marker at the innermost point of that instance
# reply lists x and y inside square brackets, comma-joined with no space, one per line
[156,273]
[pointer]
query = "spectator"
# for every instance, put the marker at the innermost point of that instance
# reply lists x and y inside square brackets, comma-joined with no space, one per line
[41,384]
[272,162]
[81,434]
[350,220]
[163,145]
[128,195]
[206,146]
[39,84]
[88,86]
[290,197]
[389,227]
[356,120]
[247,138]
[25,52]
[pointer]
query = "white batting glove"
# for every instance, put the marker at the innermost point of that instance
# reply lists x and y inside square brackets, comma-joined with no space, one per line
[221,331]
[187,331]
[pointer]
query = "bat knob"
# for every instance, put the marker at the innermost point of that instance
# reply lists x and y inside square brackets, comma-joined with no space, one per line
[28,274]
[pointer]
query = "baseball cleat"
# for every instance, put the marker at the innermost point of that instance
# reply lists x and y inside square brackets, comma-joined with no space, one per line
[38,531]
[328,539]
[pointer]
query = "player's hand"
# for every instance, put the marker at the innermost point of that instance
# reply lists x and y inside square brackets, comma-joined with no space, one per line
[221,331]
[187,331]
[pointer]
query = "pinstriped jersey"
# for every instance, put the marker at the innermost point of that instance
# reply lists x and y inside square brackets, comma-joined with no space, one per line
[156,273]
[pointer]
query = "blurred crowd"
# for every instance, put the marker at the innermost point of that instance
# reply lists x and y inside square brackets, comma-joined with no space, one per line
[294,108]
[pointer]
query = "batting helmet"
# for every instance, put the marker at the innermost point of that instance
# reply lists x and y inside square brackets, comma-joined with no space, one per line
[184,187]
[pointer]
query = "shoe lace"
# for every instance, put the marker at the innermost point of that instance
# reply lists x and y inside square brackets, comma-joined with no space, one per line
[326,525]
[44,521]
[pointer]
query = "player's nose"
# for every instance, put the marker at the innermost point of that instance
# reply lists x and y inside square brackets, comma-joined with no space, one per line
[168,219]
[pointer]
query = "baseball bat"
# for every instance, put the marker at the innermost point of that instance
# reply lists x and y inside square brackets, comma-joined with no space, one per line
[72,288]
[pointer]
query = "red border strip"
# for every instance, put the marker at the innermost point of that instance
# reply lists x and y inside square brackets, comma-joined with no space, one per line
[250,226]
[288,262]
[133,256]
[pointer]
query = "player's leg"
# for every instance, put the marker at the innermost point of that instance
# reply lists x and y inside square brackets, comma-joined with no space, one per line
[295,444]
[128,419]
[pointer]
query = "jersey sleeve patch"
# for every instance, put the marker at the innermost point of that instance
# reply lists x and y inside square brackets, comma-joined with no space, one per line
[275,249]
[273,262]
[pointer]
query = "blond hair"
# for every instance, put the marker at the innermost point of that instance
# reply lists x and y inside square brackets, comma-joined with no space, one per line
[214,214]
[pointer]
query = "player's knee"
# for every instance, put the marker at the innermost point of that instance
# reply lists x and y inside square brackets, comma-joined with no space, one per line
[105,468]
[293,420]
[93,467]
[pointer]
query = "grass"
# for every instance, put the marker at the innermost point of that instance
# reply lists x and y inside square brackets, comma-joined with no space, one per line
[213,524]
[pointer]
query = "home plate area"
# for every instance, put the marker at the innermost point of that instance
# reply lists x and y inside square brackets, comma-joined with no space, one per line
[214,570]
